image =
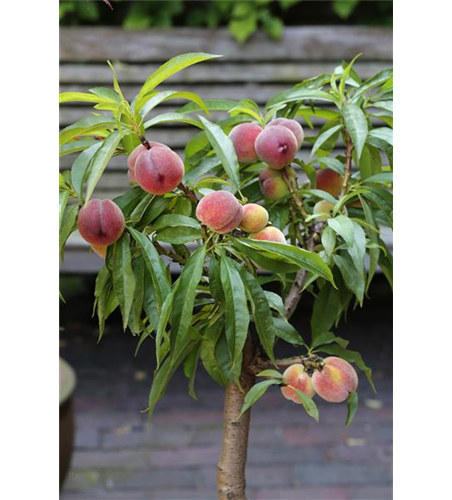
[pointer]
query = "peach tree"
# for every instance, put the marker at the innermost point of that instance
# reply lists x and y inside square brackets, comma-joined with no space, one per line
[243,209]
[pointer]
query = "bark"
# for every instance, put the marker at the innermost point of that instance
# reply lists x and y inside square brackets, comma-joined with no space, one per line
[231,482]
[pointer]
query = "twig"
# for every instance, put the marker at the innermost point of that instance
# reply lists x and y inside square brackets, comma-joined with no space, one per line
[188,193]
[348,164]
[294,192]
[311,363]
[145,142]
[168,253]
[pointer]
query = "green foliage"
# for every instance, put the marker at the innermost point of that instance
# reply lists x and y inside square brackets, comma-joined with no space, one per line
[205,317]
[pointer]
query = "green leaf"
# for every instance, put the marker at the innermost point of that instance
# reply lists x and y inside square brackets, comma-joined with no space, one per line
[86,126]
[100,161]
[284,330]
[332,164]
[161,327]
[175,220]
[384,134]
[383,178]
[328,338]
[224,148]
[357,251]
[343,226]
[372,82]
[68,225]
[308,404]
[323,137]
[123,277]
[207,353]
[356,124]
[299,95]
[155,265]
[328,240]
[374,253]
[80,168]
[270,373]
[354,281]
[168,69]
[166,95]
[326,310]
[352,406]
[255,393]
[212,105]
[76,146]
[262,314]
[102,292]
[184,298]
[236,315]
[178,235]
[136,309]
[64,197]
[81,96]
[291,254]
[172,118]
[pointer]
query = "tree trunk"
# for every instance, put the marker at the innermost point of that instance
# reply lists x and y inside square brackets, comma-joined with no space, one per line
[231,482]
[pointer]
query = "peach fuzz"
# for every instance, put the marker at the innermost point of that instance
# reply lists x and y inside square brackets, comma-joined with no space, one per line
[336,380]
[276,146]
[133,157]
[254,219]
[243,138]
[100,222]
[292,125]
[323,207]
[270,233]
[220,211]
[329,181]
[159,170]
[272,184]
[296,377]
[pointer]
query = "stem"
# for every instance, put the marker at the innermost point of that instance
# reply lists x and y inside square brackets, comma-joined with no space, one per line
[188,193]
[293,188]
[231,481]
[145,142]
[348,164]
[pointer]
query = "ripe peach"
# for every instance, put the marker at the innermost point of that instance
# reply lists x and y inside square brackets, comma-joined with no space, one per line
[323,207]
[296,376]
[243,137]
[270,233]
[336,380]
[101,250]
[254,219]
[273,186]
[329,181]
[293,126]
[220,211]
[276,146]
[100,222]
[133,157]
[159,170]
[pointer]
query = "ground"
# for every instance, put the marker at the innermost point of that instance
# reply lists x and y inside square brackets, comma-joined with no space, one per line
[118,457]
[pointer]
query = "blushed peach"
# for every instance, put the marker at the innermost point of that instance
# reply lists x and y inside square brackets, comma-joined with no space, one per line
[159,170]
[272,184]
[243,137]
[254,219]
[220,211]
[270,233]
[336,380]
[100,222]
[296,377]
[330,181]
[276,146]
[323,207]
[292,125]
[133,157]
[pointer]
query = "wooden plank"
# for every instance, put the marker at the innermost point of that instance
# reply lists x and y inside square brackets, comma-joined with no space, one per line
[310,43]
[221,72]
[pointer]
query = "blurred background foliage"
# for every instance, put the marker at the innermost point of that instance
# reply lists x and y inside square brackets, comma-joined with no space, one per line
[241,17]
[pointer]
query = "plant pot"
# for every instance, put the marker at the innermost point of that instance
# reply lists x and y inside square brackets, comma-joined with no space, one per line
[67,386]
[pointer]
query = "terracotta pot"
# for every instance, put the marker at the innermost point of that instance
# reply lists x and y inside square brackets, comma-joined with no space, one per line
[67,386]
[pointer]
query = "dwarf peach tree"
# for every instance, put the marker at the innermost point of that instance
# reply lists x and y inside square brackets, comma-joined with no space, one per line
[243,209]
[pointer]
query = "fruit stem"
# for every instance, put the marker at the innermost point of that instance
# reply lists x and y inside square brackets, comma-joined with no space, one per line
[145,142]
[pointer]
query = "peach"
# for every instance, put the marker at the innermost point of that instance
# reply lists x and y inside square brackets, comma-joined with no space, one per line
[296,377]
[101,250]
[159,170]
[243,137]
[270,233]
[276,146]
[220,211]
[329,181]
[100,222]
[336,380]
[273,186]
[133,157]
[254,219]
[293,126]
[323,207]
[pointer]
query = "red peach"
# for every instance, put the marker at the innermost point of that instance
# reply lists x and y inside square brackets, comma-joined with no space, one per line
[243,137]
[276,146]
[100,222]
[293,126]
[296,377]
[254,219]
[220,211]
[273,186]
[323,207]
[329,181]
[159,170]
[336,380]
[133,157]
[270,233]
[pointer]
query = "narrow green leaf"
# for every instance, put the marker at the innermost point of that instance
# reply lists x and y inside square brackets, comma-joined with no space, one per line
[352,406]
[326,310]
[80,168]
[323,137]
[161,328]
[270,373]
[308,404]
[356,124]
[175,220]
[63,199]
[172,118]
[372,82]
[207,353]
[166,95]
[284,330]
[354,281]
[76,146]
[178,235]
[86,126]
[136,309]
[68,225]
[343,226]
[328,240]
[255,393]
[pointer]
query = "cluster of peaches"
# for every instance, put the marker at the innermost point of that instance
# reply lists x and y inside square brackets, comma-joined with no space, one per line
[333,380]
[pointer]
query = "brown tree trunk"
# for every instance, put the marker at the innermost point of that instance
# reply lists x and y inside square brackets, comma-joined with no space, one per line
[231,482]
